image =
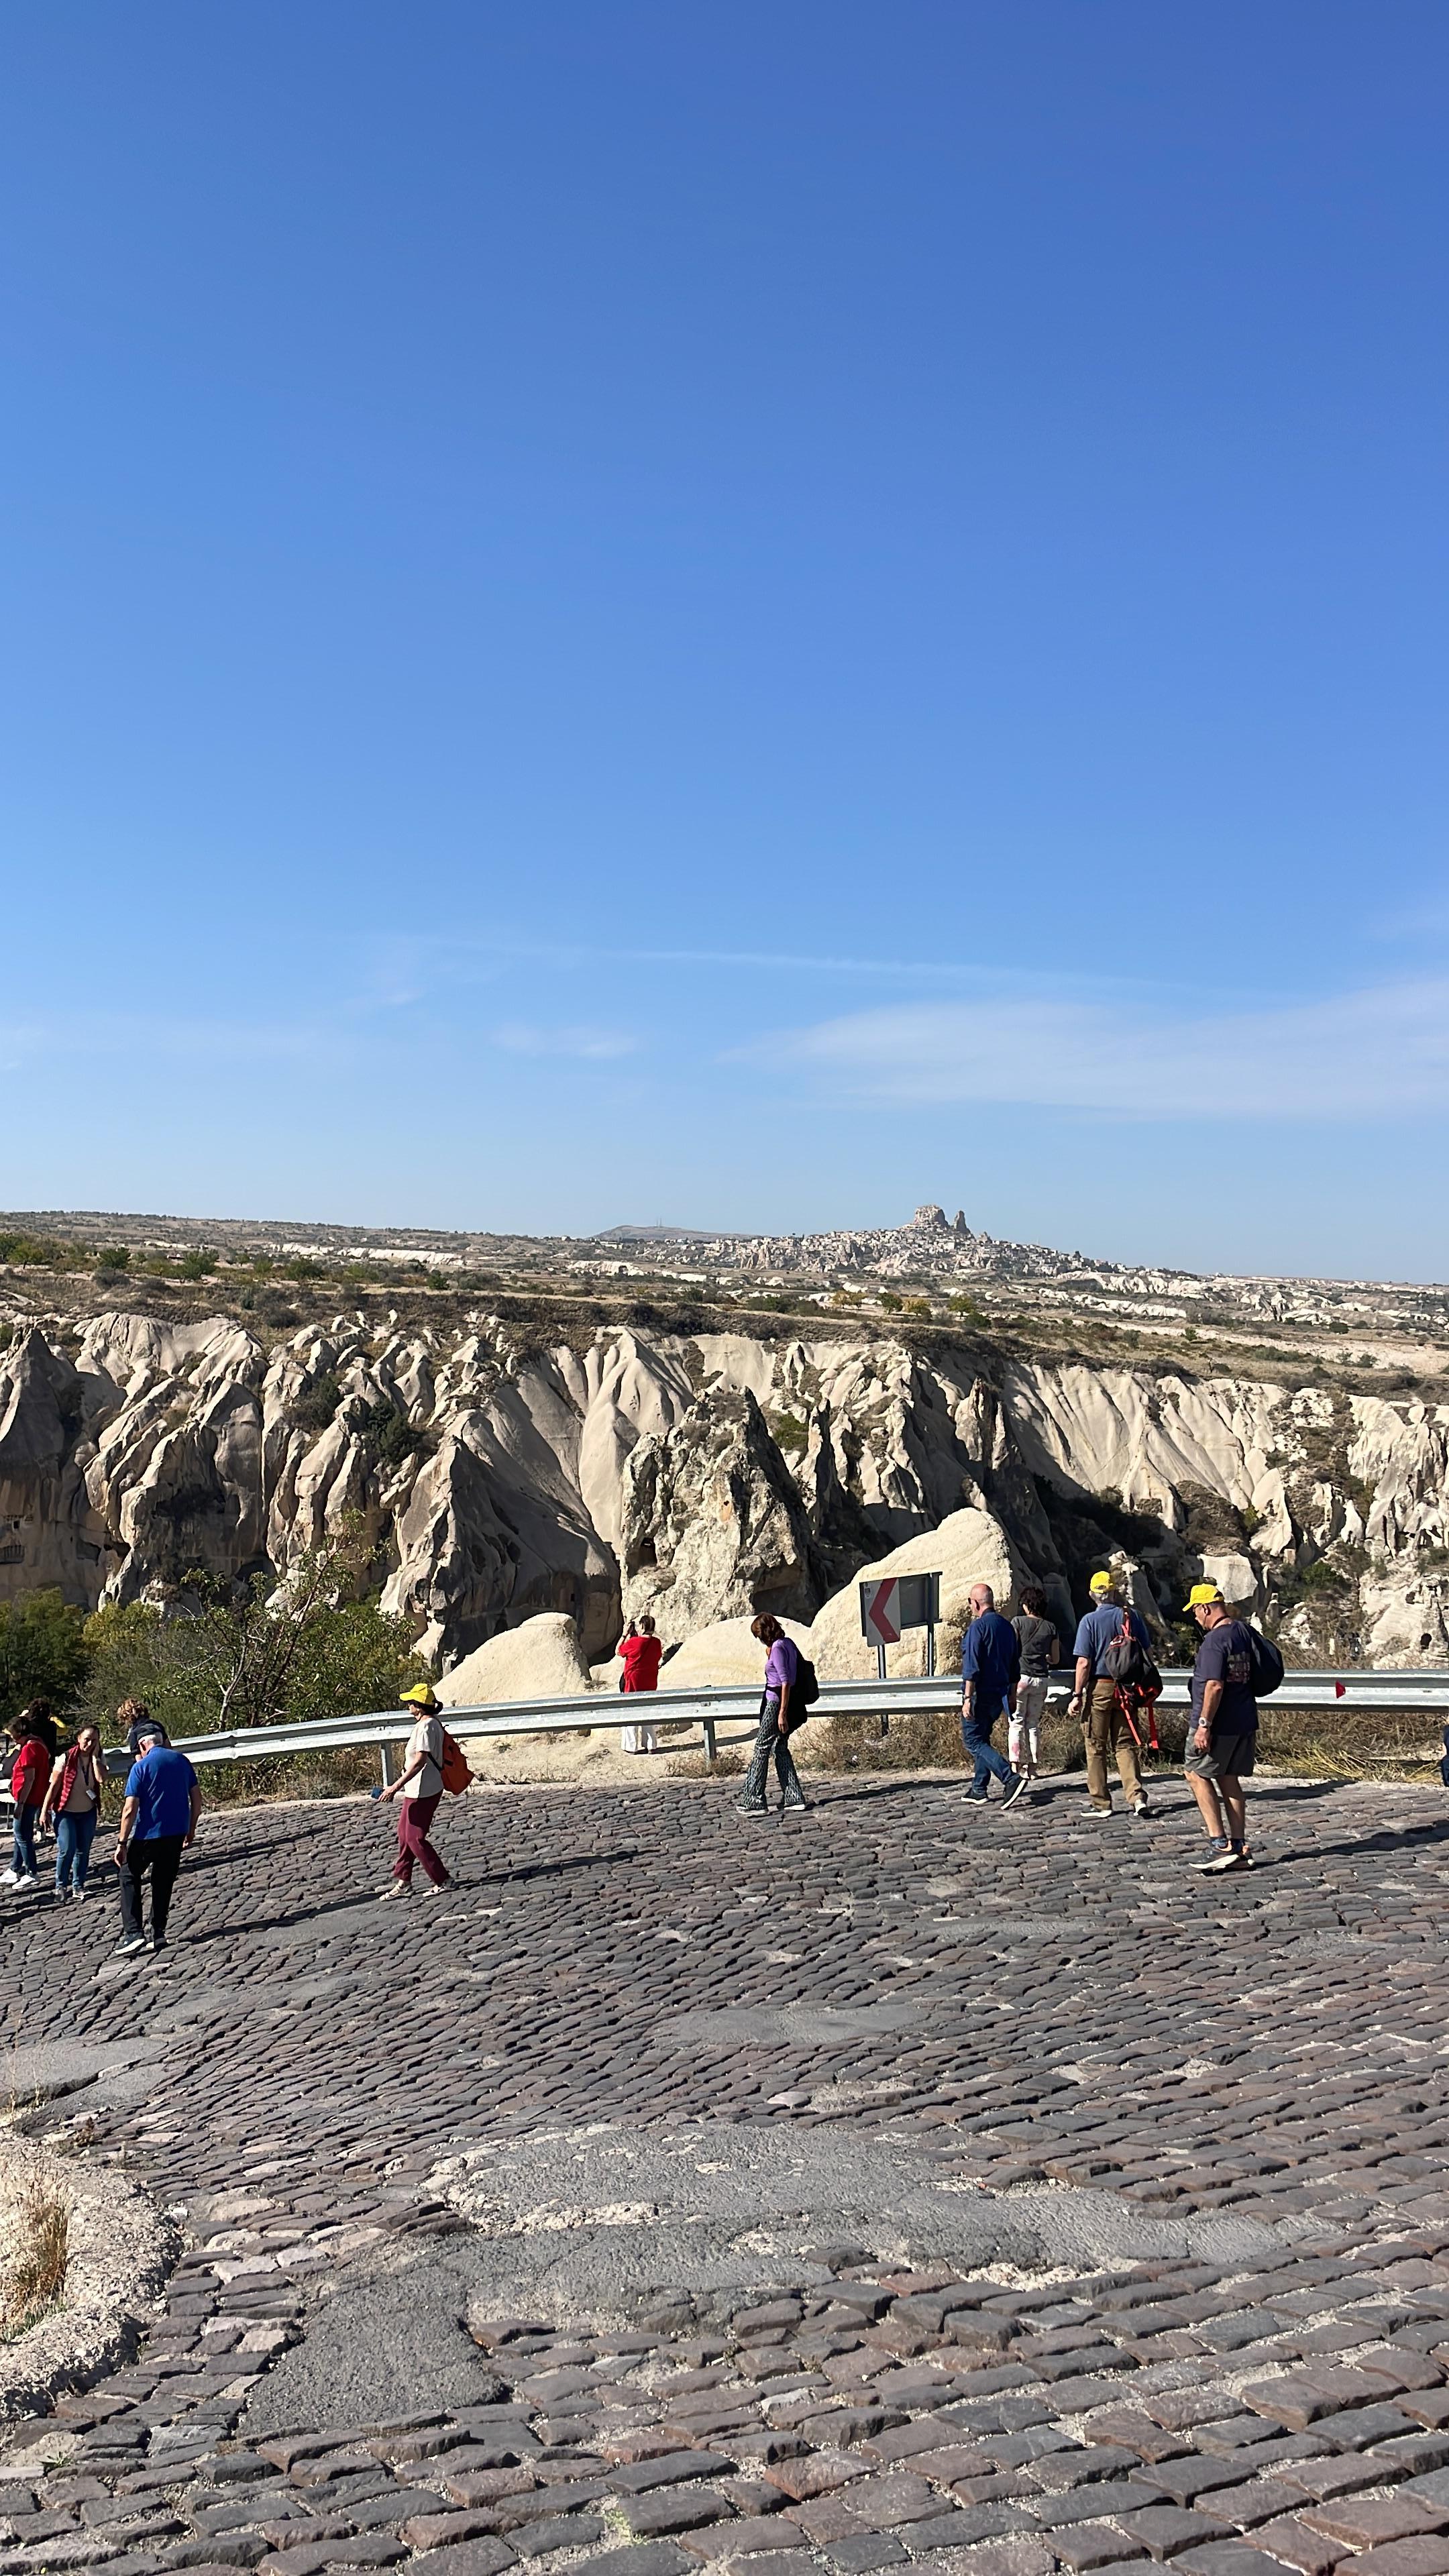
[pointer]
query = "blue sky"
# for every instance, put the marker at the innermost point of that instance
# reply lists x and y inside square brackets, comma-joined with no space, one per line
[747,615]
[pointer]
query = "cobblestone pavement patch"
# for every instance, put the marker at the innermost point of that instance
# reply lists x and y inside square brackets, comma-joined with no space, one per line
[900,2181]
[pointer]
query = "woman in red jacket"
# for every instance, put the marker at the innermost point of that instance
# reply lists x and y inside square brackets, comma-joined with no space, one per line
[639,1651]
[29,1780]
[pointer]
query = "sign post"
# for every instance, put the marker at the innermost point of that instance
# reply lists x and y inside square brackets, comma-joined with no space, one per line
[893,1603]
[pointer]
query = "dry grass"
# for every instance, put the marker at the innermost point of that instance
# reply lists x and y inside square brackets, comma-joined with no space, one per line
[1293,1742]
[1296,1743]
[35,2275]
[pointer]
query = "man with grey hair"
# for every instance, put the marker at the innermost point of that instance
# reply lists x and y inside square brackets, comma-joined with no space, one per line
[990,1672]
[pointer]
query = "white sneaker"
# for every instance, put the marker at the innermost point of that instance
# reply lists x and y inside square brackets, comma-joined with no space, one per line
[398,1887]
[31,1881]
[7,1878]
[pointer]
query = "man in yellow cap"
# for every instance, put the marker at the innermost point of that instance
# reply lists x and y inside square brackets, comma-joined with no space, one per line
[1222,1729]
[1095,1701]
[418,1788]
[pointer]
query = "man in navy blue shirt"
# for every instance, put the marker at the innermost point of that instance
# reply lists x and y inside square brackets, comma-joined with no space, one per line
[990,1671]
[1095,1701]
[158,1821]
[1222,1729]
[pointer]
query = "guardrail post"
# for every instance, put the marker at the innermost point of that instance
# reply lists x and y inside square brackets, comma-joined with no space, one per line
[384,1755]
[710,1748]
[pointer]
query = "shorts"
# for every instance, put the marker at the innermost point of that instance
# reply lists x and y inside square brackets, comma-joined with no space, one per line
[1228,1757]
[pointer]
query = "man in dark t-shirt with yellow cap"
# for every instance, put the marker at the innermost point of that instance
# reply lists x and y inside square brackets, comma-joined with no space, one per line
[1222,1729]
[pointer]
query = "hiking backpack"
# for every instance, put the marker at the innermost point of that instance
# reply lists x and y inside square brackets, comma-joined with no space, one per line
[1138,1682]
[1128,1663]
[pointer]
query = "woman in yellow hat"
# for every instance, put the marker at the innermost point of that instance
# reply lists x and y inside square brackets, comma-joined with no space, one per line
[417,1790]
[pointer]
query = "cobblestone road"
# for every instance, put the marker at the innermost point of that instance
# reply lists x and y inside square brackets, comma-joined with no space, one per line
[900,2181]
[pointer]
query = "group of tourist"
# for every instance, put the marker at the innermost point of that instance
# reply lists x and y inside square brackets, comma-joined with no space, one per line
[57,1786]
[1006,1669]
[1005,1664]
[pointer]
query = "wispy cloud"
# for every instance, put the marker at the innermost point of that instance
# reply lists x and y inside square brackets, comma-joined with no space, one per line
[1382,1052]
[592,1045]
[158,1038]
[754,961]
[403,969]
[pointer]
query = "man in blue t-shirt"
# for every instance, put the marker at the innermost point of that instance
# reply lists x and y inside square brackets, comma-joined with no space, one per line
[158,1821]
[1094,1699]
[1222,1729]
[990,1671]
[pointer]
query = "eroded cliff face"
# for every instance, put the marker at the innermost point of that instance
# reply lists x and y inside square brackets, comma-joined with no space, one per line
[701,1478]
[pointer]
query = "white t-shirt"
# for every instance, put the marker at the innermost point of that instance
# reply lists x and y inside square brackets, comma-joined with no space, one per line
[426,1737]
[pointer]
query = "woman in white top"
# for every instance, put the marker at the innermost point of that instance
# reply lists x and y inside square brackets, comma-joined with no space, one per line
[74,1800]
[417,1792]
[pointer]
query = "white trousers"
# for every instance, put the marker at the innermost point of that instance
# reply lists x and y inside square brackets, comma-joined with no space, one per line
[1023,1734]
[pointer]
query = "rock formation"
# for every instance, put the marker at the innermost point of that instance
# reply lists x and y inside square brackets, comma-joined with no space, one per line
[542,1659]
[703,1477]
[967,1547]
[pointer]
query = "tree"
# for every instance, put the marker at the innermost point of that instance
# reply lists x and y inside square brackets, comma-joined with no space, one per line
[256,1654]
[42,1652]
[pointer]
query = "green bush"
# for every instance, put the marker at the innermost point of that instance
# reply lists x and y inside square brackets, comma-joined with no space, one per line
[32,1251]
[42,1652]
[313,1411]
[389,1438]
[257,1654]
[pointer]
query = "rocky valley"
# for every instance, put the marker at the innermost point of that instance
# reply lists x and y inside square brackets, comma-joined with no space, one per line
[548,1452]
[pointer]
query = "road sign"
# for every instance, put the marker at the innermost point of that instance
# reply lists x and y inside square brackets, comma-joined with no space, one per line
[896,1602]
[878,1620]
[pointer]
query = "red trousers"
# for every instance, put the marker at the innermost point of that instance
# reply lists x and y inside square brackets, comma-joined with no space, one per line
[414,1815]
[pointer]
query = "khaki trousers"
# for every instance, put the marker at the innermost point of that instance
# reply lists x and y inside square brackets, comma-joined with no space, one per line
[1104,1726]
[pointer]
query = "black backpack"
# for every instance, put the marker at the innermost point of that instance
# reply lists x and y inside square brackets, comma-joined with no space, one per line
[804,1692]
[1128,1663]
[1265,1663]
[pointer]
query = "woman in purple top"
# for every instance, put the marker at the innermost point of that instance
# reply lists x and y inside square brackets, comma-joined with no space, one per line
[782,1672]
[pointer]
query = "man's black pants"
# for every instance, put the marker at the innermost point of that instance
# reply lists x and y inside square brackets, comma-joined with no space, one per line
[161,1854]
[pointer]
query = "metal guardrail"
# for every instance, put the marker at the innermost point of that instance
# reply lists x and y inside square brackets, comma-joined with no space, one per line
[714,1709]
